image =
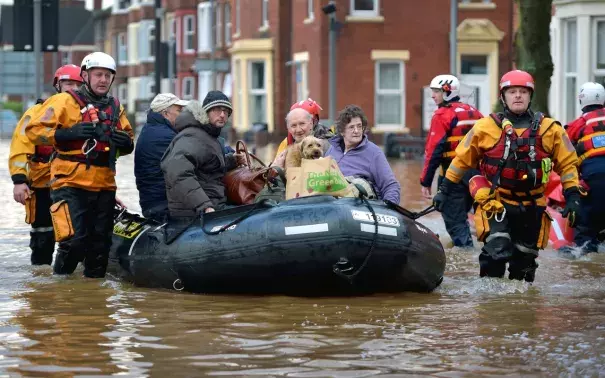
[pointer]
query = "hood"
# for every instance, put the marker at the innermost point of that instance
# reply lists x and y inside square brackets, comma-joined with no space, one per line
[192,115]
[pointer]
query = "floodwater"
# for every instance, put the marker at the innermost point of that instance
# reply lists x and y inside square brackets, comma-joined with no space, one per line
[72,326]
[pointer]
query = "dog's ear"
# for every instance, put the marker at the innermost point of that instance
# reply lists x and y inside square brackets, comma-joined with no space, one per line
[302,146]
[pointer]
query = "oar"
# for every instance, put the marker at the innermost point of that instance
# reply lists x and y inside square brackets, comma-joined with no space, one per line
[408,213]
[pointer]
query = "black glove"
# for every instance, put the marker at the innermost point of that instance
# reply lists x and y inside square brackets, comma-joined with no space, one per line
[79,131]
[572,205]
[121,139]
[442,193]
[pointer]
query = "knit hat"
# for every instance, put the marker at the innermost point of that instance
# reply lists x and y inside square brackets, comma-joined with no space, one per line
[216,98]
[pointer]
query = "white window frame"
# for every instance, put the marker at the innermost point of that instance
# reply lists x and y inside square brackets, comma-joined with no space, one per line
[365,13]
[264,12]
[188,96]
[257,92]
[596,71]
[151,41]
[238,20]
[228,24]
[238,89]
[204,33]
[189,33]
[310,10]
[568,74]
[378,91]
[122,49]
[218,25]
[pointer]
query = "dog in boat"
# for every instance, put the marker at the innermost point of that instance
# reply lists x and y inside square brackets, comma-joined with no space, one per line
[309,148]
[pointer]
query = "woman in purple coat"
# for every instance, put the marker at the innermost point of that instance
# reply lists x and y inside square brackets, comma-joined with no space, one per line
[358,158]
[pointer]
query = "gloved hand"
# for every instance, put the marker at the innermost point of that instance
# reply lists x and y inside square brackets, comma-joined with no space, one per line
[488,201]
[442,194]
[121,139]
[79,131]
[572,205]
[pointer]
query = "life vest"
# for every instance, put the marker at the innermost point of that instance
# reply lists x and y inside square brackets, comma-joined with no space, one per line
[465,118]
[591,140]
[99,152]
[42,154]
[515,162]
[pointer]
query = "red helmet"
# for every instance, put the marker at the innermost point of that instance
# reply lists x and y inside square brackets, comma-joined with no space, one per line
[309,105]
[517,78]
[67,72]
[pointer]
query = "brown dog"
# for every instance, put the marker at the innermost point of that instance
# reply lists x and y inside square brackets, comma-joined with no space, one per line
[309,148]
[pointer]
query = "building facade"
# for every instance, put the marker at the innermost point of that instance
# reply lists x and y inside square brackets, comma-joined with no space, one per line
[386,52]
[578,50]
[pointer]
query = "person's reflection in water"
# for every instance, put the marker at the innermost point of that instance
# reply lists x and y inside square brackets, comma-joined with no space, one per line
[72,327]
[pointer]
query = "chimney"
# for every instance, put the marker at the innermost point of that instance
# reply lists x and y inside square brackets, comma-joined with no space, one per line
[98,5]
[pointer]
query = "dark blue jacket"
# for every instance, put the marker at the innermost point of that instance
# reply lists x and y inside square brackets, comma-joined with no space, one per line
[153,141]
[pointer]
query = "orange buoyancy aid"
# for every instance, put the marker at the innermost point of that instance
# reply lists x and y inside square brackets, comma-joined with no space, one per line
[465,118]
[591,140]
[97,150]
[515,161]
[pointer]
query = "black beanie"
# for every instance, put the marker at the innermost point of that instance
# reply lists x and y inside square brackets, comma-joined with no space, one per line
[214,99]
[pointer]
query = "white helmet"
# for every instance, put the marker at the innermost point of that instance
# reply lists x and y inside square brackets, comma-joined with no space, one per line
[99,60]
[591,94]
[85,62]
[449,84]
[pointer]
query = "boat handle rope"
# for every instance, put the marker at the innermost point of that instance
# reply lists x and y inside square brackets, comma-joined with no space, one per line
[363,195]
[265,202]
[408,213]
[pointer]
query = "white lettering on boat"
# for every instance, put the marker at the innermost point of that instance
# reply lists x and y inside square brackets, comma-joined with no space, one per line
[366,216]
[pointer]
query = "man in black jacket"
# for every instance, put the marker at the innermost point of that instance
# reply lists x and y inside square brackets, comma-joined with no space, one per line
[194,163]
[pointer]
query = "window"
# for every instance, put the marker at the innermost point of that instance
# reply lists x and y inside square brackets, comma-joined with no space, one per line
[151,88]
[151,34]
[122,49]
[364,8]
[205,28]
[257,108]
[204,82]
[310,13]
[188,88]
[218,25]
[570,38]
[121,4]
[599,49]
[264,23]
[473,64]
[389,99]
[227,24]
[188,33]
[65,57]
[302,89]
[237,16]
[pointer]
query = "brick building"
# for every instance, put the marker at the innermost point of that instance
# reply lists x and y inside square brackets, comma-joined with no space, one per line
[387,50]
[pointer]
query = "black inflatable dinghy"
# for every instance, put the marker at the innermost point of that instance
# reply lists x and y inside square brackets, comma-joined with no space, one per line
[311,246]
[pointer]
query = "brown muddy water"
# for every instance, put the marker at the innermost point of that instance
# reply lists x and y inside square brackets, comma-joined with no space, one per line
[71,326]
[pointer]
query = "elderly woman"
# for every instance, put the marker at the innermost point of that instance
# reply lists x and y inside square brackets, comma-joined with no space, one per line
[358,157]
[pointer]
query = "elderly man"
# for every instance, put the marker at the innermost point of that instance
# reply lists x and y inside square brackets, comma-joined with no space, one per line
[300,124]
[195,162]
[153,141]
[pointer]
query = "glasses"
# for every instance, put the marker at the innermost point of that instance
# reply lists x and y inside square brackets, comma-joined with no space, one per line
[219,110]
[354,128]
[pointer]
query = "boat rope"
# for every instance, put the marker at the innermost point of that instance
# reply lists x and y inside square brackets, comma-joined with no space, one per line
[265,202]
[408,213]
[344,273]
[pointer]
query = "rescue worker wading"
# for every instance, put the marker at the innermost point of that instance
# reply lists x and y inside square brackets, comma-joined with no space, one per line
[587,133]
[88,129]
[30,171]
[515,151]
[450,123]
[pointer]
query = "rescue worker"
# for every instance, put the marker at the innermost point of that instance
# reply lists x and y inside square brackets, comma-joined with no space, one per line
[587,134]
[515,151]
[450,123]
[29,167]
[88,129]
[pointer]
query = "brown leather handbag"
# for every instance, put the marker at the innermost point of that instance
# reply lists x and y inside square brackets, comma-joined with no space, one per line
[242,184]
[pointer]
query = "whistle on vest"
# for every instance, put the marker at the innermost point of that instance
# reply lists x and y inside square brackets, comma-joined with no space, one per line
[92,113]
[507,126]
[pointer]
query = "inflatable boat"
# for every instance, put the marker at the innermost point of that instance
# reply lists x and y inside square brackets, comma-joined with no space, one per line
[310,246]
